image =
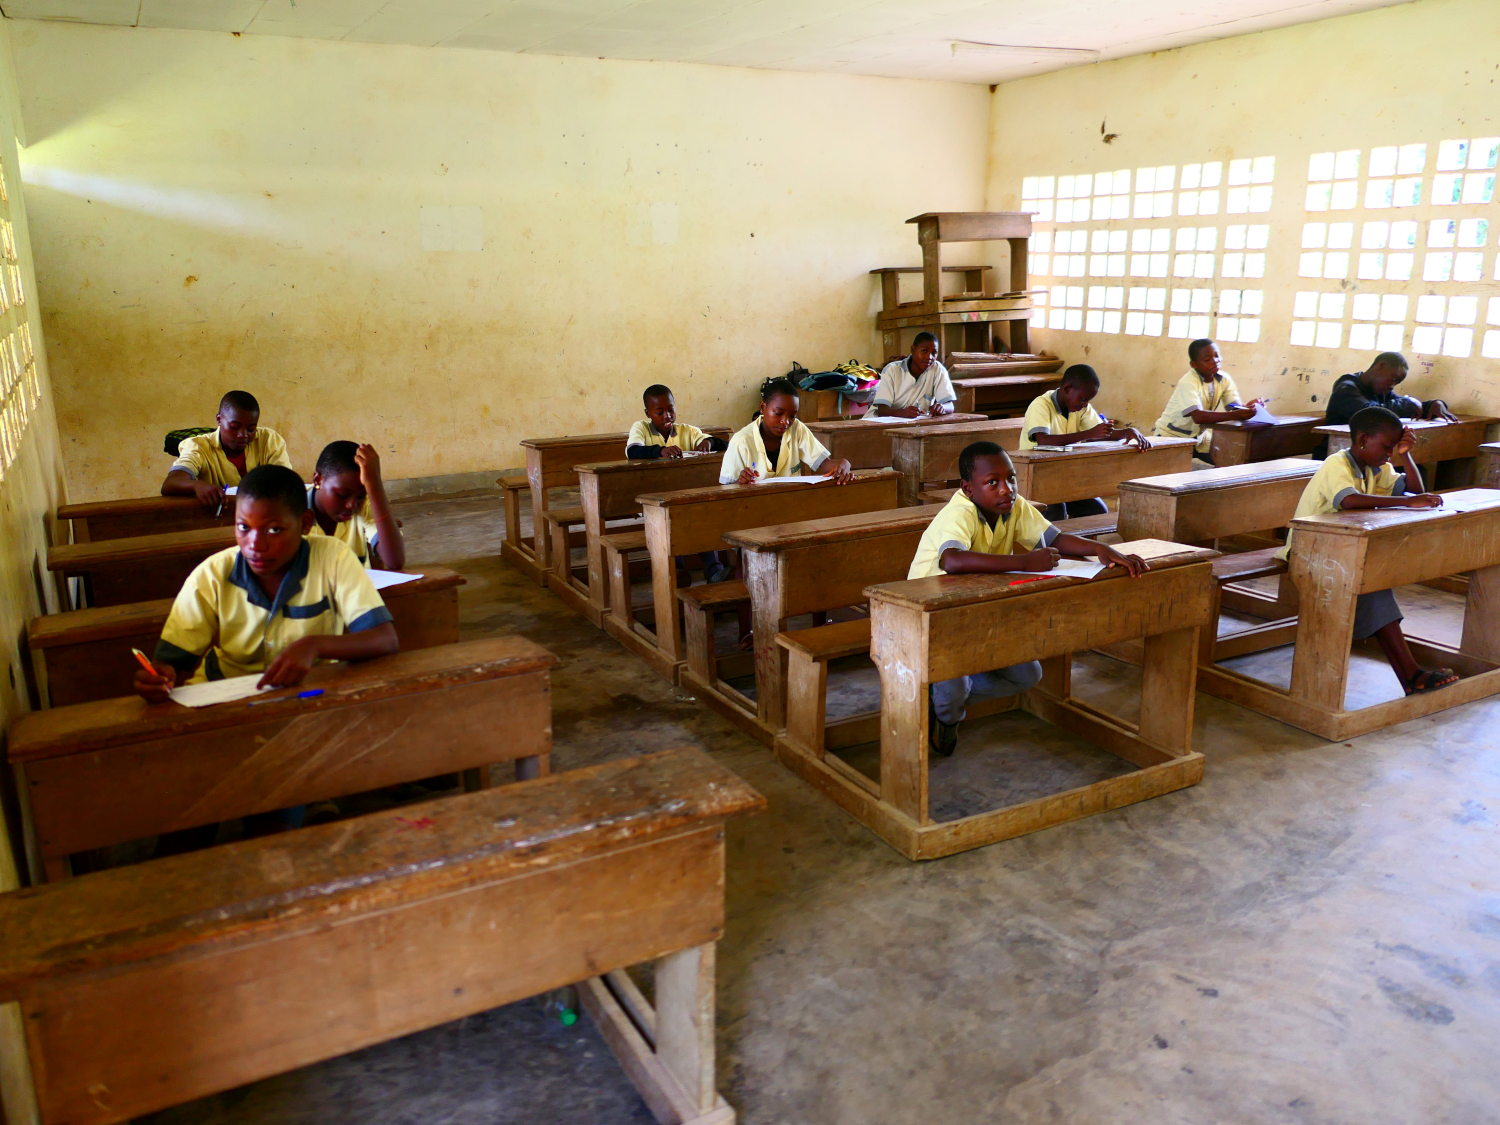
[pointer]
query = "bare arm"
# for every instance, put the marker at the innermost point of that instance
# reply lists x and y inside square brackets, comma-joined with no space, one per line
[392,547]
[885,411]
[181,483]
[955,561]
[293,665]
[1076,546]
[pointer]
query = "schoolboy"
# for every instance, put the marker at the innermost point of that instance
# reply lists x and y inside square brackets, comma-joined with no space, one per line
[347,499]
[916,385]
[209,463]
[776,444]
[986,528]
[659,434]
[1066,416]
[1360,478]
[1206,394]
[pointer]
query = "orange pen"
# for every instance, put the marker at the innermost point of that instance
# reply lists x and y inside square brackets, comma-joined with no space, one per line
[146,664]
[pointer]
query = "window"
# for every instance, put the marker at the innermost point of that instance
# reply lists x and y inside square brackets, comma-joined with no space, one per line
[1239,315]
[20,390]
[1333,181]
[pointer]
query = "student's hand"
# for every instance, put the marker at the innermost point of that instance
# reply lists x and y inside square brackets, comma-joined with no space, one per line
[209,495]
[706,445]
[670,452]
[293,665]
[936,410]
[903,412]
[1439,409]
[1098,433]
[1244,414]
[1405,443]
[369,466]
[1254,402]
[841,472]
[747,476]
[155,688]
[1134,565]
[1417,500]
[1043,558]
[1136,436]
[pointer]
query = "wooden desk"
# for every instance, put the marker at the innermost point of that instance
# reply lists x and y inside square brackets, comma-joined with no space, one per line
[609,491]
[1197,507]
[697,519]
[866,443]
[1047,476]
[116,770]
[1488,466]
[923,454]
[1006,396]
[1239,443]
[148,515]
[553,463]
[1436,442]
[151,985]
[1336,557]
[138,569]
[934,629]
[84,654]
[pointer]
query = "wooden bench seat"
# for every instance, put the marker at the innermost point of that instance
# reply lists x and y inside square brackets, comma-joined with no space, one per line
[151,985]
[699,605]
[1247,565]
[808,652]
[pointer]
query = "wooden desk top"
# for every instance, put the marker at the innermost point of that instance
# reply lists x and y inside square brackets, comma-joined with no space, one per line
[86,727]
[1228,476]
[81,626]
[653,465]
[1418,425]
[320,876]
[835,529]
[987,426]
[548,444]
[898,425]
[918,269]
[141,505]
[715,493]
[975,226]
[1020,380]
[1283,420]
[84,556]
[1477,502]
[1055,453]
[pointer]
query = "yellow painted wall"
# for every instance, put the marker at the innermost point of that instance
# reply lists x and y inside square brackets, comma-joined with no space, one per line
[214,212]
[1422,72]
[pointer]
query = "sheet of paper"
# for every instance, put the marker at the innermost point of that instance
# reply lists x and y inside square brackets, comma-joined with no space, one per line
[887,419]
[1088,445]
[789,480]
[232,490]
[1262,416]
[1471,500]
[215,691]
[1071,568]
[384,578]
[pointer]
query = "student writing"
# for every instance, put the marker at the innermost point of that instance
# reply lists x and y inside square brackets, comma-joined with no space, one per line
[1206,394]
[659,434]
[1065,416]
[776,444]
[916,385]
[209,463]
[348,502]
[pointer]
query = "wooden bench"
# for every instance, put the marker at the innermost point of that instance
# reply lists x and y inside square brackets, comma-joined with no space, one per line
[103,773]
[929,454]
[518,549]
[139,569]
[1338,556]
[84,654]
[934,629]
[1054,476]
[146,515]
[692,520]
[609,492]
[147,986]
[866,442]
[1452,447]
[1006,396]
[1240,443]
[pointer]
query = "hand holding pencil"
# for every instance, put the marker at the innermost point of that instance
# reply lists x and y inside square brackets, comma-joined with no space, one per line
[153,681]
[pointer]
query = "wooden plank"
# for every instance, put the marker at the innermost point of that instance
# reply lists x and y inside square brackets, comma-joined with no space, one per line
[866,443]
[930,453]
[1239,443]
[145,515]
[1055,476]
[1234,500]
[973,226]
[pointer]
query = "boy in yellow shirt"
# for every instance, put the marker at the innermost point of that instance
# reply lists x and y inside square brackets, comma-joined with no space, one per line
[1205,395]
[347,499]
[209,463]
[1361,478]
[986,528]
[659,434]
[1066,416]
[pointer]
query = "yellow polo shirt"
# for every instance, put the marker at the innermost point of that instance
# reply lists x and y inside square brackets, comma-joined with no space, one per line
[1192,393]
[684,437]
[1045,415]
[1341,475]
[358,532]
[799,450]
[960,524]
[223,617]
[202,457]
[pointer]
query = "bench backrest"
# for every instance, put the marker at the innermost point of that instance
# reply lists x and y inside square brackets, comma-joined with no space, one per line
[616,486]
[553,462]
[145,515]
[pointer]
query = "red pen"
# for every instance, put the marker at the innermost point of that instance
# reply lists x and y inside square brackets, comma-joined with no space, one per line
[146,664]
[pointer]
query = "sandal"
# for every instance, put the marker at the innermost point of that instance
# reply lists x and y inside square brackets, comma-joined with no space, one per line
[1423,680]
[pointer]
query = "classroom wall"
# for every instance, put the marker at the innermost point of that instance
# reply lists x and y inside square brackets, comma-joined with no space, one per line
[1420,73]
[450,250]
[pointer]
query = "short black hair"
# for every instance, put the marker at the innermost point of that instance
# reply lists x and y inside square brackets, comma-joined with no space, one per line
[973,452]
[275,482]
[337,457]
[780,385]
[1082,374]
[1391,359]
[1197,346]
[243,401]
[1373,420]
[656,390]
[922,338]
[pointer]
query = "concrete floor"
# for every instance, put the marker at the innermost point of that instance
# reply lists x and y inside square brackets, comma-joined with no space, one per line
[1311,935]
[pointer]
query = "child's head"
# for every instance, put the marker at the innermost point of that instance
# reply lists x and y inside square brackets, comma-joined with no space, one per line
[1080,383]
[337,489]
[989,479]
[661,407]
[1373,434]
[778,405]
[923,351]
[238,418]
[1203,357]
[1387,372]
[270,517]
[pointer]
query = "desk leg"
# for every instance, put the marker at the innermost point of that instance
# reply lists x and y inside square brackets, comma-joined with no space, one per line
[1327,571]
[896,642]
[1481,635]
[685,1021]
[663,584]
[1168,677]
[762,576]
[513,517]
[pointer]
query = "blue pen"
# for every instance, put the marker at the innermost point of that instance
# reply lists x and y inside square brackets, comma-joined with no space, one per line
[311,693]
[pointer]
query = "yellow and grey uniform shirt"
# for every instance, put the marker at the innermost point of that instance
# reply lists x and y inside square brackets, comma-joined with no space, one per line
[1341,476]
[1046,415]
[799,450]
[1190,394]
[899,388]
[202,457]
[358,532]
[224,618]
[962,526]
[684,437]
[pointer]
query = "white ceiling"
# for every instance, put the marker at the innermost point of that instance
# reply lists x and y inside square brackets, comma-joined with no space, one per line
[895,38]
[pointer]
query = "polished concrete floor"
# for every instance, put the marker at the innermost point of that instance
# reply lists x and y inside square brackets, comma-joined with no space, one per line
[1312,935]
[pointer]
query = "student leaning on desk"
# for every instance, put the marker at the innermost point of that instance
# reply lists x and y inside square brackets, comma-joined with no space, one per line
[1203,397]
[776,444]
[916,385]
[209,463]
[1065,417]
